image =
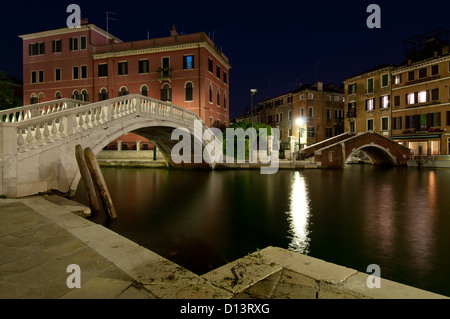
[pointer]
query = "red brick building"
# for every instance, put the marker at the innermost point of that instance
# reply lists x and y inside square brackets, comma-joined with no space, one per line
[87,63]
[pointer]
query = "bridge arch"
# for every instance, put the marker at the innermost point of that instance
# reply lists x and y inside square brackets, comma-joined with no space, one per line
[40,154]
[378,154]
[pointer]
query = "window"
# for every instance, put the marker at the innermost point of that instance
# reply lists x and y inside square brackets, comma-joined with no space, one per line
[218,71]
[57,46]
[411,76]
[103,70]
[166,93]
[83,43]
[290,115]
[352,88]
[143,66]
[123,91]
[210,65]
[210,94]
[75,95]
[398,79]
[410,98]
[85,96]
[336,98]
[75,73]
[370,104]
[328,132]
[225,77]
[41,76]
[84,72]
[58,95]
[397,123]
[370,124]
[144,90]
[384,80]
[189,90]
[436,119]
[73,43]
[224,101]
[57,74]
[310,96]
[36,48]
[385,123]
[123,68]
[302,97]
[397,100]
[435,69]
[310,112]
[302,112]
[435,94]
[166,67]
[33,99]
[188,62]
[422,97]
[103,95]
[33,77]
[422,73]
[218,97]
[384,101]
[328,114]
[328,98]
[311,132]
[352,127]
[370,85]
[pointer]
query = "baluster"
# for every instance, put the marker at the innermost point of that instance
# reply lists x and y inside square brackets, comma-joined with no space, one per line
[38,135]
[30,137]
[86,120]
[61,127]
[80,121]
[20,141]
[46,132]
[54,130]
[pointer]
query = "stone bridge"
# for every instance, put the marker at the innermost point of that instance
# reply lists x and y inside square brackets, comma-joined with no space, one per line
[334,152]
[37,142]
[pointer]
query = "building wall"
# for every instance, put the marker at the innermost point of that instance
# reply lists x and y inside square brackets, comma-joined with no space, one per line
[103,48]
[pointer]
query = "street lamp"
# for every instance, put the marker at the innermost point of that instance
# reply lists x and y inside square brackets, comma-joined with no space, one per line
[300,122]
[252,92]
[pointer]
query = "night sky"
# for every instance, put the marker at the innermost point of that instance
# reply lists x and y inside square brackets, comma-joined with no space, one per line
[273,46]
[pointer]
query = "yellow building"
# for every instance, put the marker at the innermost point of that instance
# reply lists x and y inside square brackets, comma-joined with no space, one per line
[410,102]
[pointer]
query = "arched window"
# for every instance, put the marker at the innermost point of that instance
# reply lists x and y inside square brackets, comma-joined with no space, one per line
[58,95]
[210,94]
[33,98]
[103,95]
[41,97]
[144,90]
[189,88]
[166,93]
[75,95]
[85,96]
[123,91]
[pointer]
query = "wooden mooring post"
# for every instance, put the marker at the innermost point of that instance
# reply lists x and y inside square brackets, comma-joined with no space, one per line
[86,178]
[99,181]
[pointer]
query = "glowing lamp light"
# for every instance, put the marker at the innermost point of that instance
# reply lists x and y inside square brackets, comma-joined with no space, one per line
[299,121]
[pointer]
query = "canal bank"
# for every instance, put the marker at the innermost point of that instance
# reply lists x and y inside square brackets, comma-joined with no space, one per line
[41,236]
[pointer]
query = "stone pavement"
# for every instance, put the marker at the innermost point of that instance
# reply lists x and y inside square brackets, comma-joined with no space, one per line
[41,236]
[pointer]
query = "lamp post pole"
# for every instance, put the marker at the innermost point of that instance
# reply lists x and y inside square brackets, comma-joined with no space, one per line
[252,92]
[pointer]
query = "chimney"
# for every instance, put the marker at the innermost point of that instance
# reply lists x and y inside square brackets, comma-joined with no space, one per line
[84,21]
[320,86]
[174,32]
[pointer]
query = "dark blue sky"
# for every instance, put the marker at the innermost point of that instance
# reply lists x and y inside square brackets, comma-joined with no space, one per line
[272,45]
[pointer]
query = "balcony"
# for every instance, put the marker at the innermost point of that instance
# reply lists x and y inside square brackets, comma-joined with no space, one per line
[164,74]
[351,114]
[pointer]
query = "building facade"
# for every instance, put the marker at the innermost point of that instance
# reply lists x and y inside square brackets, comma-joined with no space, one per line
[410,102]
[308,115]
[87,63]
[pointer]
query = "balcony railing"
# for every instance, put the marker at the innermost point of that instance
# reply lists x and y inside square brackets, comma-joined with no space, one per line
[351,114]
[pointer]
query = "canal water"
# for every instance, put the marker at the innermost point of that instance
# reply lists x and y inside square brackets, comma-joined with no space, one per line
[397,218]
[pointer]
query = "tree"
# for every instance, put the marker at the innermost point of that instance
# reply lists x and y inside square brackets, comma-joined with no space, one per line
[7,98]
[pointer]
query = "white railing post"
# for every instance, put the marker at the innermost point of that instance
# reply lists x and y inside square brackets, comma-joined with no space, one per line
[8,140]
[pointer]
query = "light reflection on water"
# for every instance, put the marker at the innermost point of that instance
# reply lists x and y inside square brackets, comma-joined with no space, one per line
[298,215]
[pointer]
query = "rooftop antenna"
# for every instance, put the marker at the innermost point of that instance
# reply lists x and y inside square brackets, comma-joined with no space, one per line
[109,18]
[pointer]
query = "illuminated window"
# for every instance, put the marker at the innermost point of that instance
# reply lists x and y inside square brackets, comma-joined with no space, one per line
[188,62]
[370,105]
[410,98]
[397,79]
[422,96]
[384,101]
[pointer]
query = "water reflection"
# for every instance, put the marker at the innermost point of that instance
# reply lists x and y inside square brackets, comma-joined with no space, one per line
[298,215]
